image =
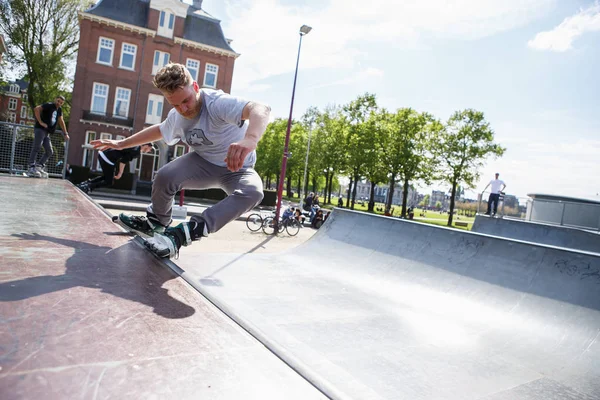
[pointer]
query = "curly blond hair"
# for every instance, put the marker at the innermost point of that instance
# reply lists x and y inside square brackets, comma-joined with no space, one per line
[172,77]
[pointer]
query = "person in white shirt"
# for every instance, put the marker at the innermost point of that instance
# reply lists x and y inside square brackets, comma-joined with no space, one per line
[497,189]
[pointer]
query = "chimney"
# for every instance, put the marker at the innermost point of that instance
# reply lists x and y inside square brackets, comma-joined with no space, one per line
[197,4]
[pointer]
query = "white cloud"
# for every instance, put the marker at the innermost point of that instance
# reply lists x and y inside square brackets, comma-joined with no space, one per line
[561,38]
[265,31]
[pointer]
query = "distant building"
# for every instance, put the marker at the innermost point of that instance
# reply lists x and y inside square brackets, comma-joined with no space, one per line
[123,43]
[363,192]
[13,103]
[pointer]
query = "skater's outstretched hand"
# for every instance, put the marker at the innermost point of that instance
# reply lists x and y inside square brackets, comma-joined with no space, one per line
[103,144]
[237,153]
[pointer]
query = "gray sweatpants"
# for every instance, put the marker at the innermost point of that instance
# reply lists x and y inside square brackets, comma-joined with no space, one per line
[41,137]
[244,190]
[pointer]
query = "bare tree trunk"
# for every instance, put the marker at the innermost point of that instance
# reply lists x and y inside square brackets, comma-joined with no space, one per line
[349,191]
[388,203]
[330,185]
[354,191]
[288,186]
[371,198]
[404,197]
[452,202]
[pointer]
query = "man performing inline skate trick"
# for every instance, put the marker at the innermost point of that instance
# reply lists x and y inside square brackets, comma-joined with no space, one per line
[223,131]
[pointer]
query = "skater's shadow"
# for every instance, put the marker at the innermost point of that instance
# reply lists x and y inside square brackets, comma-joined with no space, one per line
[127,272]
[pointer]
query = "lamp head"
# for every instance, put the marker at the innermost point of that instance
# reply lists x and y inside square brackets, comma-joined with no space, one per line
[304,29]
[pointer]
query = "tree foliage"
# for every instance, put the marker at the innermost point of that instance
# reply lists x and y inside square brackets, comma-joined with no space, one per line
[42,37]
[462,147]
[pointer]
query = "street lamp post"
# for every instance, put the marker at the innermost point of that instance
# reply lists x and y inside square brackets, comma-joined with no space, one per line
[303,193]
[304,29]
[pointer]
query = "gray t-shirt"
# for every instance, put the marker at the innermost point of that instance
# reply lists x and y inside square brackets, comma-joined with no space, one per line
[217,126]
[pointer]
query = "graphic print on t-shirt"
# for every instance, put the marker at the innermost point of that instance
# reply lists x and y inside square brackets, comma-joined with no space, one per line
[54,114]
[196,137]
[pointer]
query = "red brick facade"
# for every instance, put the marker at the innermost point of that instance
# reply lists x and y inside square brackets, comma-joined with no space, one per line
[13,105]
[138,81]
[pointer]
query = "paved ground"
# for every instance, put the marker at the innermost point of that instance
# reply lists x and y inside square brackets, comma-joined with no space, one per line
[85,312]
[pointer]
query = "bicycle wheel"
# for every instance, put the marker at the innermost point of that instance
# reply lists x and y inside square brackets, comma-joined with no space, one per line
[254,222]
[268,225]
[292,227]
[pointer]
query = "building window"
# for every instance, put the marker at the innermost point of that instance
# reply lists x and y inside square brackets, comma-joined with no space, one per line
[160,60]
[179,151]
[128,56]
[154,109]
[122,97]
[12,117]
[210,75]
[88,154]
[14,88]
[99,98]
[193,66]
[119,137]
[12,104]
[105,51]
[166,21]
[24,97]
[23,111]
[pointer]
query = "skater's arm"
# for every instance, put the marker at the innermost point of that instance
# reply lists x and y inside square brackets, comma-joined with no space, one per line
[148,135]
[36,112]
[258,117]
[121,169]
[61,121]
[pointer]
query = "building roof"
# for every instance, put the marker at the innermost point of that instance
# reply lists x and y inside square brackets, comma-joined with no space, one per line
[200,27]
[23,85]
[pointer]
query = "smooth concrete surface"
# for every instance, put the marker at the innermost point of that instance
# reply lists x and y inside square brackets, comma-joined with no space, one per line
[382,308]
[554,235]
[87,313]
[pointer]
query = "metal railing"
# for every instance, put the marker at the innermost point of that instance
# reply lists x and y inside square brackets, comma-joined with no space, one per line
[585,215]
[16,142]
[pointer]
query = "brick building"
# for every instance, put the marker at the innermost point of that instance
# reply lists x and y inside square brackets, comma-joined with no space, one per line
[123,43]
[13,103]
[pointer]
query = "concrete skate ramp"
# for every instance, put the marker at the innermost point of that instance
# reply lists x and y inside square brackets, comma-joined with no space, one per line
[561,236]
[382,308]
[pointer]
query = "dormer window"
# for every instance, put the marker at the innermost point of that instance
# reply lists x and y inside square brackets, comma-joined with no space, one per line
[166,21]
[14,89]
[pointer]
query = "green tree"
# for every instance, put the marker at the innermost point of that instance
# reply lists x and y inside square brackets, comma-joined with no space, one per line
[358,138]
[42,37]
[462,146]
[270,151]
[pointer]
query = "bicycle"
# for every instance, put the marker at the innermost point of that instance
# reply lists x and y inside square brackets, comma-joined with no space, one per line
[256,220]
[290,224]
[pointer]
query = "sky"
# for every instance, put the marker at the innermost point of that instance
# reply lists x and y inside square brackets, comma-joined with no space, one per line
[532,67]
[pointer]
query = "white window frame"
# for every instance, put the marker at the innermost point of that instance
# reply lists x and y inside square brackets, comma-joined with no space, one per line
[97,84]
[132,68]
[24,97]
[154,108]
[101,46]
[103,135]
[197,67]
[12,117]
[166,23]
[119,137]
[14,88]
[24,112]
[206,72]
[117,102]
[88,152]
[159,60]
[179,148]
[12,103]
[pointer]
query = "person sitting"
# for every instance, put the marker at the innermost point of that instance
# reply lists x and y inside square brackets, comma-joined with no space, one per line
[317,220]
[299,217]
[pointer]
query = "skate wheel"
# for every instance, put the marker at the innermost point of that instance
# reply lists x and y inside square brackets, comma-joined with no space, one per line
[115,218]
